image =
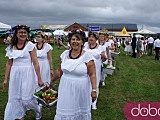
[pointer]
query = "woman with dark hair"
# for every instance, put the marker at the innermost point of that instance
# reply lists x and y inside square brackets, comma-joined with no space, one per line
[78,81]
[22,60]
[98,53]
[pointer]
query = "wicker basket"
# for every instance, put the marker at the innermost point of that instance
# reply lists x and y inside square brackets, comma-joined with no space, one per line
[115,54]
[41,100]
[108,70]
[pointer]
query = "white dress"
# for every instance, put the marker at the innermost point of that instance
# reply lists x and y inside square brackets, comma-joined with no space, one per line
[22,81]
[105,46]
[96,53]
[74,92]
[142,48]
[128,47]
[44,63]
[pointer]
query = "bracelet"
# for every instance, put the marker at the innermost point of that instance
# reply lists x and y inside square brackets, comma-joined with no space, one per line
[94,90]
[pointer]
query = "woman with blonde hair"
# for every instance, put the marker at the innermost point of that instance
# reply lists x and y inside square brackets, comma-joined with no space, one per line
[106,47]
[44,54]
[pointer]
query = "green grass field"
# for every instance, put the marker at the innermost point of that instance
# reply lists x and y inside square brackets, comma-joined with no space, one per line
[138,80]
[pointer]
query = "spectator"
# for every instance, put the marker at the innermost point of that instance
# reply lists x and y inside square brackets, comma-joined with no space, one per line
[133,44]
[150,42]
[157,48]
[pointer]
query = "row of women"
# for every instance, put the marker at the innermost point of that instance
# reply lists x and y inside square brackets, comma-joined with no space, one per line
[30,65]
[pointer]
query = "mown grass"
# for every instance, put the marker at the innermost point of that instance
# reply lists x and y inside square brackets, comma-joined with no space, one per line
[136,81]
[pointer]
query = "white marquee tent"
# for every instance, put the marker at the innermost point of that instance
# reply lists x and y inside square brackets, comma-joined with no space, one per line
[144,31]
[139,36]
[59,32]
[4,26]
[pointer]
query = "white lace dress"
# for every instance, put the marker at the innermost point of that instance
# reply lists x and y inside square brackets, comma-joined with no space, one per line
[44,63]
[22,82]
[74,92]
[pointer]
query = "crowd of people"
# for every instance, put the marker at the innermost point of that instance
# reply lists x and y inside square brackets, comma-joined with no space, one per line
[30,65]
[139,46]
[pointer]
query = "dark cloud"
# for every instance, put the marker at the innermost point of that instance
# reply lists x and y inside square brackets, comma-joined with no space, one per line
[49,12]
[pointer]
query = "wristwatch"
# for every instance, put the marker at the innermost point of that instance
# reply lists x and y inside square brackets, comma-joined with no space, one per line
[94,90]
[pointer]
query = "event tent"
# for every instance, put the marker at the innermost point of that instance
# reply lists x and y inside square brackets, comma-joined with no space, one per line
[59,32]
[139,36]
[144,31]
[4,26]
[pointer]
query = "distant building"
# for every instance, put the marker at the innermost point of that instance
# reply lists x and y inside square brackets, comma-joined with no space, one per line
[53,27]
[76,26]
[110,28]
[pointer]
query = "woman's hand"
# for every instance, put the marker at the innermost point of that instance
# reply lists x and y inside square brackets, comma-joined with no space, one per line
[52,77]
[60,42]
[104,59]
[4,84]
[51,85]
[52,73]
[40,83]
[93,95]
[109,61]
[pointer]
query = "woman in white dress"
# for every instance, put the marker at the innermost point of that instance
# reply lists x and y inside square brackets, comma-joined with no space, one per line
[128,48]
[22,60]
[106,47]
[78,81]
[112,48]
[44,54]
[99,56]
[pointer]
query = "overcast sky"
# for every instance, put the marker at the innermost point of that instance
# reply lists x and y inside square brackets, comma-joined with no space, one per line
[34,13]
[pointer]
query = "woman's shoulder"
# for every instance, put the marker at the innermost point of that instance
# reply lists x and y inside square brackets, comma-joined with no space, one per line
[30,46]
[48,46]
[65,53]
[87,56]
[30,43]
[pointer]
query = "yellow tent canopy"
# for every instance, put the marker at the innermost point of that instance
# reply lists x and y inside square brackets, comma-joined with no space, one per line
[124,33]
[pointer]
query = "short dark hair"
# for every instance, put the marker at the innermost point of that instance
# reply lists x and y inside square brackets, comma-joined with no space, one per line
[78,33]
[92,33]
